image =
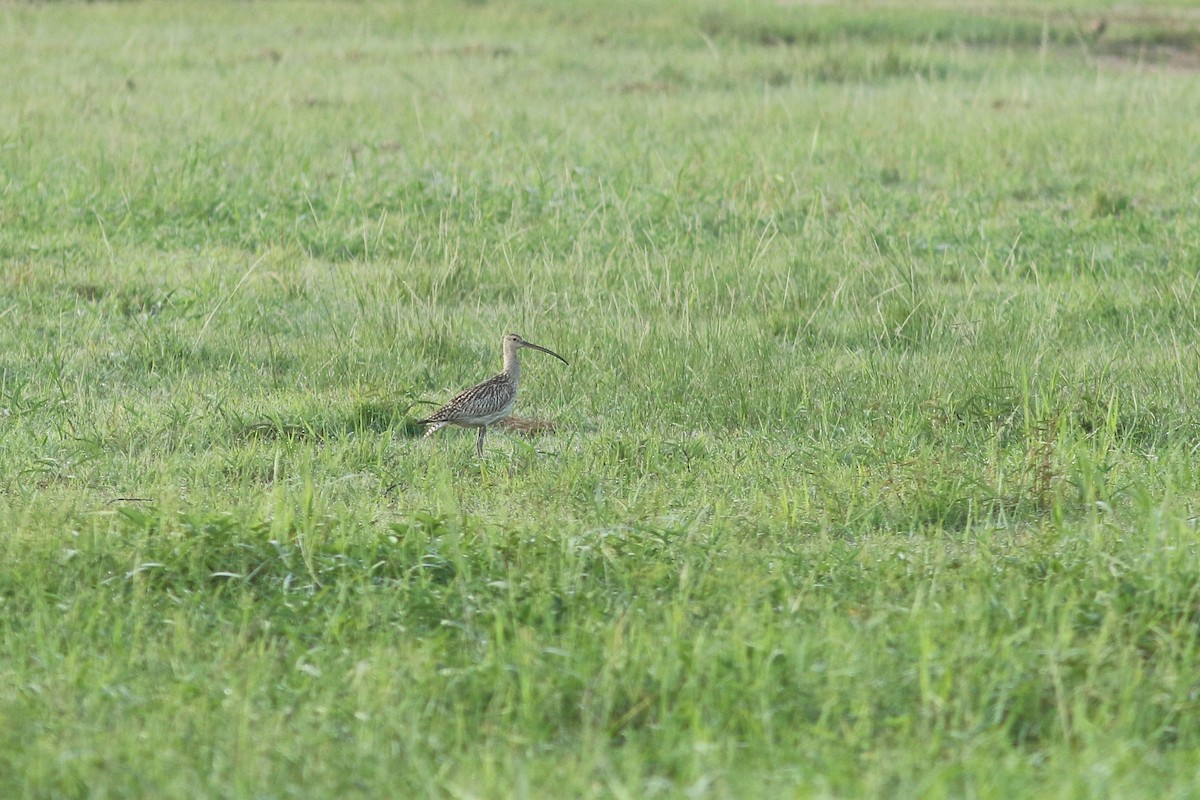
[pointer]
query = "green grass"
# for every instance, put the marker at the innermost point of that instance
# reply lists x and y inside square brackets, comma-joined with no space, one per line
[874,470]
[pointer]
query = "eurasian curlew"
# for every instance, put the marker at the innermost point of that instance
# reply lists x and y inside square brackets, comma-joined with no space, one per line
[487,402]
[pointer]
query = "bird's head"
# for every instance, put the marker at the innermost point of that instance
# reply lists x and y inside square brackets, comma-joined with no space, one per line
[512,340]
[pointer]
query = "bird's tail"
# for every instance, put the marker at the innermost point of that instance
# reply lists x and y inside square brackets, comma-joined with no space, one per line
[433,428]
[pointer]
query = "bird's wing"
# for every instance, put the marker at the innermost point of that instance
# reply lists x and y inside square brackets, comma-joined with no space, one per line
[480,400]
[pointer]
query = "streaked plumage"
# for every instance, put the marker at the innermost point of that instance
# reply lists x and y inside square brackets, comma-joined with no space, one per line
[487,402]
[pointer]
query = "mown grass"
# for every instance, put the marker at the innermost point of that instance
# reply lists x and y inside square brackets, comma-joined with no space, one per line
[873,472]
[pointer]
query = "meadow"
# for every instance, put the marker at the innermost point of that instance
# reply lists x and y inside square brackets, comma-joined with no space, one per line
[873,473]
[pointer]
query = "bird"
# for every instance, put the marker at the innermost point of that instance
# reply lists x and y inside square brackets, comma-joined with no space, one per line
[487,402]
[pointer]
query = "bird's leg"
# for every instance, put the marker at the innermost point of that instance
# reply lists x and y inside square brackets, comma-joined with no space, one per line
[479,441]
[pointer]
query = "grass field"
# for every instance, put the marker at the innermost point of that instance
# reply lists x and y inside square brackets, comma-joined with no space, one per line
[874,472]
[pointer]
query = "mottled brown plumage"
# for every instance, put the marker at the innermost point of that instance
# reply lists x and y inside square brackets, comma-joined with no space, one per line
[486,402]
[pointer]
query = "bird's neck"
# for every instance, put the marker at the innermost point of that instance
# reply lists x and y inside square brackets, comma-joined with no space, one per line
[512,367]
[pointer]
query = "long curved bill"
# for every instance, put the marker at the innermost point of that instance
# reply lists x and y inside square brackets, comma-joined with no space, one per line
[545,350]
